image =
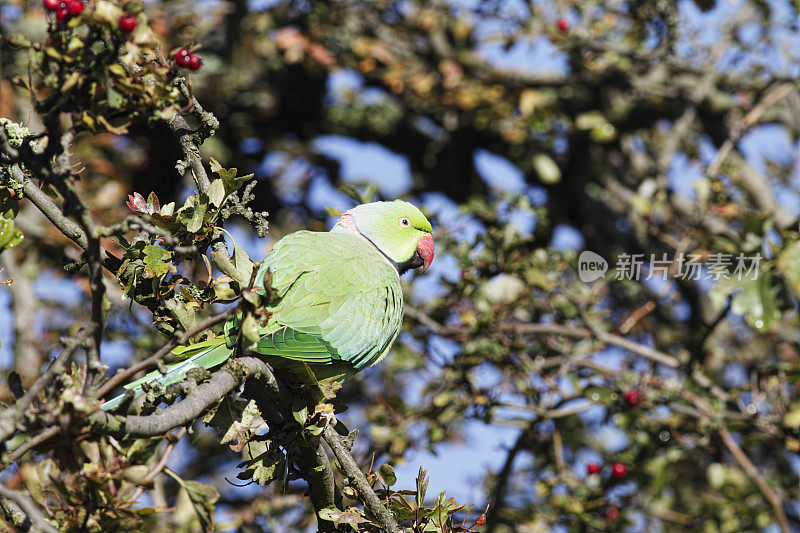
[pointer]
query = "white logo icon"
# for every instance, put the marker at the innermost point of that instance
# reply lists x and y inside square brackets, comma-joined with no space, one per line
[591,266]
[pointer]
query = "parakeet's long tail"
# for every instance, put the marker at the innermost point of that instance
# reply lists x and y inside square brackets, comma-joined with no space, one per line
[207,354]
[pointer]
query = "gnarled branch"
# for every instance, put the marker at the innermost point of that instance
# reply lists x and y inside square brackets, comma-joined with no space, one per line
[185,411]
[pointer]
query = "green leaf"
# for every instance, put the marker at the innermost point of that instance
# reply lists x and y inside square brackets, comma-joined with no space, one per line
[443,508]
[157,261]
[422,485]
[198,215]
[789,264]
[216,193]
[314,430]
[300,411]
[9,235]
[755,299]
[242,263]
[387,473]
[202,496]
[167,210]
[184,311]
[265,468]
[370,193]
[229,176]
[115,99]
[9,203]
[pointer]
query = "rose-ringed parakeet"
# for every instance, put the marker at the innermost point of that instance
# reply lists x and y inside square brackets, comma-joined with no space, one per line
[341,304]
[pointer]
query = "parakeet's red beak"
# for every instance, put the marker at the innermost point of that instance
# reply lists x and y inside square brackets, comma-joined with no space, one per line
[426,249]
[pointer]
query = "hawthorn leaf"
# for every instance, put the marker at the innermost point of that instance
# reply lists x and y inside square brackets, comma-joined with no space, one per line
[216,193]
[157,261]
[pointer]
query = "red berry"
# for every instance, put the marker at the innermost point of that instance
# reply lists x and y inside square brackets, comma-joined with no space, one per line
[593,468]
[74,7]
[127,22]
[633,398]
[182,57]
[195,62]
[612,513]
[563,24]
[62,13]
[619,469]
[52,5]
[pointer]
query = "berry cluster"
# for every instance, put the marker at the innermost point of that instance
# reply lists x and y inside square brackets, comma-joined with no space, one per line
[64,9]
[618,469]
[184,58]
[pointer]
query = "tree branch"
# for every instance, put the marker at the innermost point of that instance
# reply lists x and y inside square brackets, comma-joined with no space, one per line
[29,508]
[752,472]
[185,411]
[188,140]
[29,444]
[557,329]
[502,481]
[321,484]
[27,359]
[349,467]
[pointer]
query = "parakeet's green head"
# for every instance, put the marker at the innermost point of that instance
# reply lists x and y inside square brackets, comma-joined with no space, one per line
[397,229]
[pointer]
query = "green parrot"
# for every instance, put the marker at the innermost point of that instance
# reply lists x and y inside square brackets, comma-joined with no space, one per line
[341,304]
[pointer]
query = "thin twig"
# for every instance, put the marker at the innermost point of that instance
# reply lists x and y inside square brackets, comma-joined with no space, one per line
[772,96]
[31,509]
[501,483]
[752,472]
[162,462]
[557,329]
[159,466]
[29,444]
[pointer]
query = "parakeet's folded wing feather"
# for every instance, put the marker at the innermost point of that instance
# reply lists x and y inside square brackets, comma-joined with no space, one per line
[341,300]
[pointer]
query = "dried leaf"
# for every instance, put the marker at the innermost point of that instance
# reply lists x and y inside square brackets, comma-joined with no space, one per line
[350,516]
[243,429]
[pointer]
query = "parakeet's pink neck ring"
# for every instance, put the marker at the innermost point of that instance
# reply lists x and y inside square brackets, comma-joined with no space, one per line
[426,250]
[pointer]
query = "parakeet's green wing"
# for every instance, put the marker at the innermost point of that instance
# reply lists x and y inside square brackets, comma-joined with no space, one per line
[341,300]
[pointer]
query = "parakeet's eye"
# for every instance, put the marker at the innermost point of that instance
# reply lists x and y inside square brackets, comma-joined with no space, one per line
[404,222]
